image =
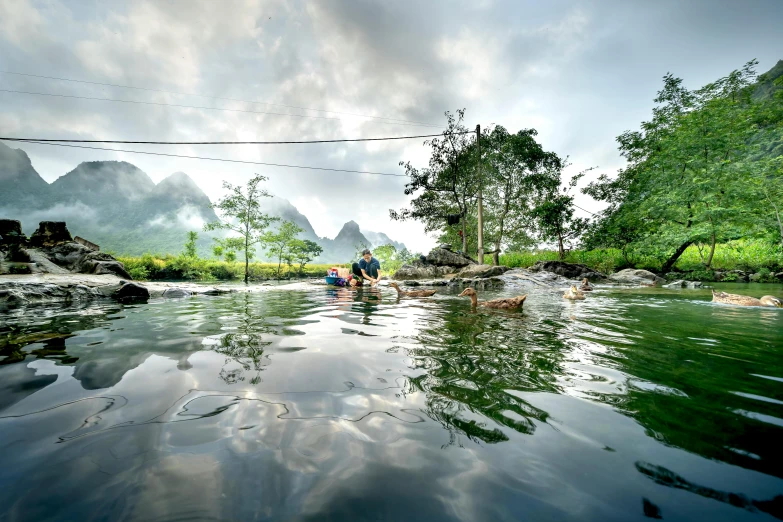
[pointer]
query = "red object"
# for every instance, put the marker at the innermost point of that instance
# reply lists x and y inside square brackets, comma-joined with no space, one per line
[460,233]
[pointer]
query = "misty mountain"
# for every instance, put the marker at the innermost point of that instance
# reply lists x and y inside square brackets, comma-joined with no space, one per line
[118,206]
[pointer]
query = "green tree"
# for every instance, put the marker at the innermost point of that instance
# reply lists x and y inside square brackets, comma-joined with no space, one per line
[448,185]
[279,244]
[190,245]
[554,214]
[217,251]
[303,251]
[241,214]
[231,256]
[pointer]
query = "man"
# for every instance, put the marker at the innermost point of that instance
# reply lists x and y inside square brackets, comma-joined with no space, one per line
[367,268]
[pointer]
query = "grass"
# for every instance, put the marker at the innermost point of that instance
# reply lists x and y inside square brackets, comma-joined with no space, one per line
[152,267]
[749,256]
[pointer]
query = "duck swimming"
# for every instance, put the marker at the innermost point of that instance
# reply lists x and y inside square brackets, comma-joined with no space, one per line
[506,303]
[412,293]
[586,286]
[744,300]
[573,293]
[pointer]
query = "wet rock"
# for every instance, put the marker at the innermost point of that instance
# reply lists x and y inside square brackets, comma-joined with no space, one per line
[778,276]
[175,293]
[444,257]
[680,283]
[755,278]
[478,284]
[568,270]
[131,292]
[81,259]
[631,276]
[479,271]
[50,233]
[434,282]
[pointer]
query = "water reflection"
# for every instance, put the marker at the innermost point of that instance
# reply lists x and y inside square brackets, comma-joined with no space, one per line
[337,403]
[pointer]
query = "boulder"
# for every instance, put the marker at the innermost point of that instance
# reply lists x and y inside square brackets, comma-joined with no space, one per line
[755,278]
[480,271]
[131,292]
[478,284]
[568,270]
[778,276]
[631,276]
[443,257]
[175,293]
[50,233]
[434,282]
[79,258]
[419,270]
[445,246]
[11,233]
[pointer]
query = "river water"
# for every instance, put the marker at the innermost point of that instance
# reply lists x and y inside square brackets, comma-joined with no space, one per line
[326,404]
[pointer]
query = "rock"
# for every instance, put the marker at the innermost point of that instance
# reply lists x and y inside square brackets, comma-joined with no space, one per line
[755,278]
[131,292]
[17,254]
[478,284]
[568,270]
[631,276]
[445,246]
[84,260]
[88,244]
[680,283]
[11,233]
[50,233]
[419,270]
[175,293]
[434,282]
[778,276]
[443,257]
[481,271]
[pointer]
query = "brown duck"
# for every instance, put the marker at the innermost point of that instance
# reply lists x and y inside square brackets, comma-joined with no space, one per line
[573,293]
[586,286]
[412,293]
[744,300]
[507,303]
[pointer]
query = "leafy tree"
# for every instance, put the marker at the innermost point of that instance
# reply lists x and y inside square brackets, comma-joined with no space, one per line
[190,245]
[448,185]
[231,256]
[303,251]
[241,213]
[554,214]
[279,244]
[517,172]
[217,251]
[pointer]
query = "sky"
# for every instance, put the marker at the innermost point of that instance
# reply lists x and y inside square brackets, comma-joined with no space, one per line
[579,72]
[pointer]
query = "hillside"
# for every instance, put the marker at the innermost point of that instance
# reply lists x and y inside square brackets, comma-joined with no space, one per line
[118,206]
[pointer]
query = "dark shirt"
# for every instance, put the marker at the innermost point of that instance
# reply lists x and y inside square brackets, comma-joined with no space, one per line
[364,265]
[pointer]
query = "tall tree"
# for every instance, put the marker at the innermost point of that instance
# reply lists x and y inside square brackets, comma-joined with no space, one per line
[448,185]
[303,251]
[242,215]
[554,214]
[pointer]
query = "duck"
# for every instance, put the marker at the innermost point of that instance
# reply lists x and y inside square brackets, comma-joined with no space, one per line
[573,293]
[412,293]
[505,303]
[744,300]
[586,286]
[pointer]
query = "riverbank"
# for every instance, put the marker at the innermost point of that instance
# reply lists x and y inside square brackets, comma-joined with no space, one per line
[736,261]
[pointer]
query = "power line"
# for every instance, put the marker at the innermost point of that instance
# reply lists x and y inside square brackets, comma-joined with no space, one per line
[389,120]
[218,159]
[231,142]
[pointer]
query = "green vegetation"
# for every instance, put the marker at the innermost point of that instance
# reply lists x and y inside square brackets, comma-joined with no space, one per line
[167,267]
[759,257]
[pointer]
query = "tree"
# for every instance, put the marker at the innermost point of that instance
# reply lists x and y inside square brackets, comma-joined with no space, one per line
[448,185]
[279,244]
[217,251]
[554,214]
[517,170]
[190,245]
[241,214]
[303,251]
[685,182]
[231,256]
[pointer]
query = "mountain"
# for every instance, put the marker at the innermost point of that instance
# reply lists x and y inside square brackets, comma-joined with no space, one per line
[118,206]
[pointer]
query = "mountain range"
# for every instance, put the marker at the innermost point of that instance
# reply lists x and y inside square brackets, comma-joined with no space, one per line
[118,206]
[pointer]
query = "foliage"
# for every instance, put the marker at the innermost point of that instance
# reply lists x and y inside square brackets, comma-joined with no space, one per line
[159,267]
[190,245]
[241,214]
[280,244]
[303,251]
[390,258]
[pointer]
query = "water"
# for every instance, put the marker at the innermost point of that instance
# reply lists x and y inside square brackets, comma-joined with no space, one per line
[333,405]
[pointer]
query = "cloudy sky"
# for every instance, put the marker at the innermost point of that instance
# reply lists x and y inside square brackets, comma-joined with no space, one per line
[580,72]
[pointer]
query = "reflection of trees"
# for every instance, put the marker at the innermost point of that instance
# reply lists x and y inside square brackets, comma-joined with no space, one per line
[472,360]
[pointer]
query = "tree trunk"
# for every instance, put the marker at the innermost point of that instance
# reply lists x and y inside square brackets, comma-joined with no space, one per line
[496,257]
[712,251]
[560,248]
[247,259]
[780,224]
[667,266]
[464,236]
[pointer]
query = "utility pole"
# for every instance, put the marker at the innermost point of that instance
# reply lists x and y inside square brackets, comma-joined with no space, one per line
[480,201]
